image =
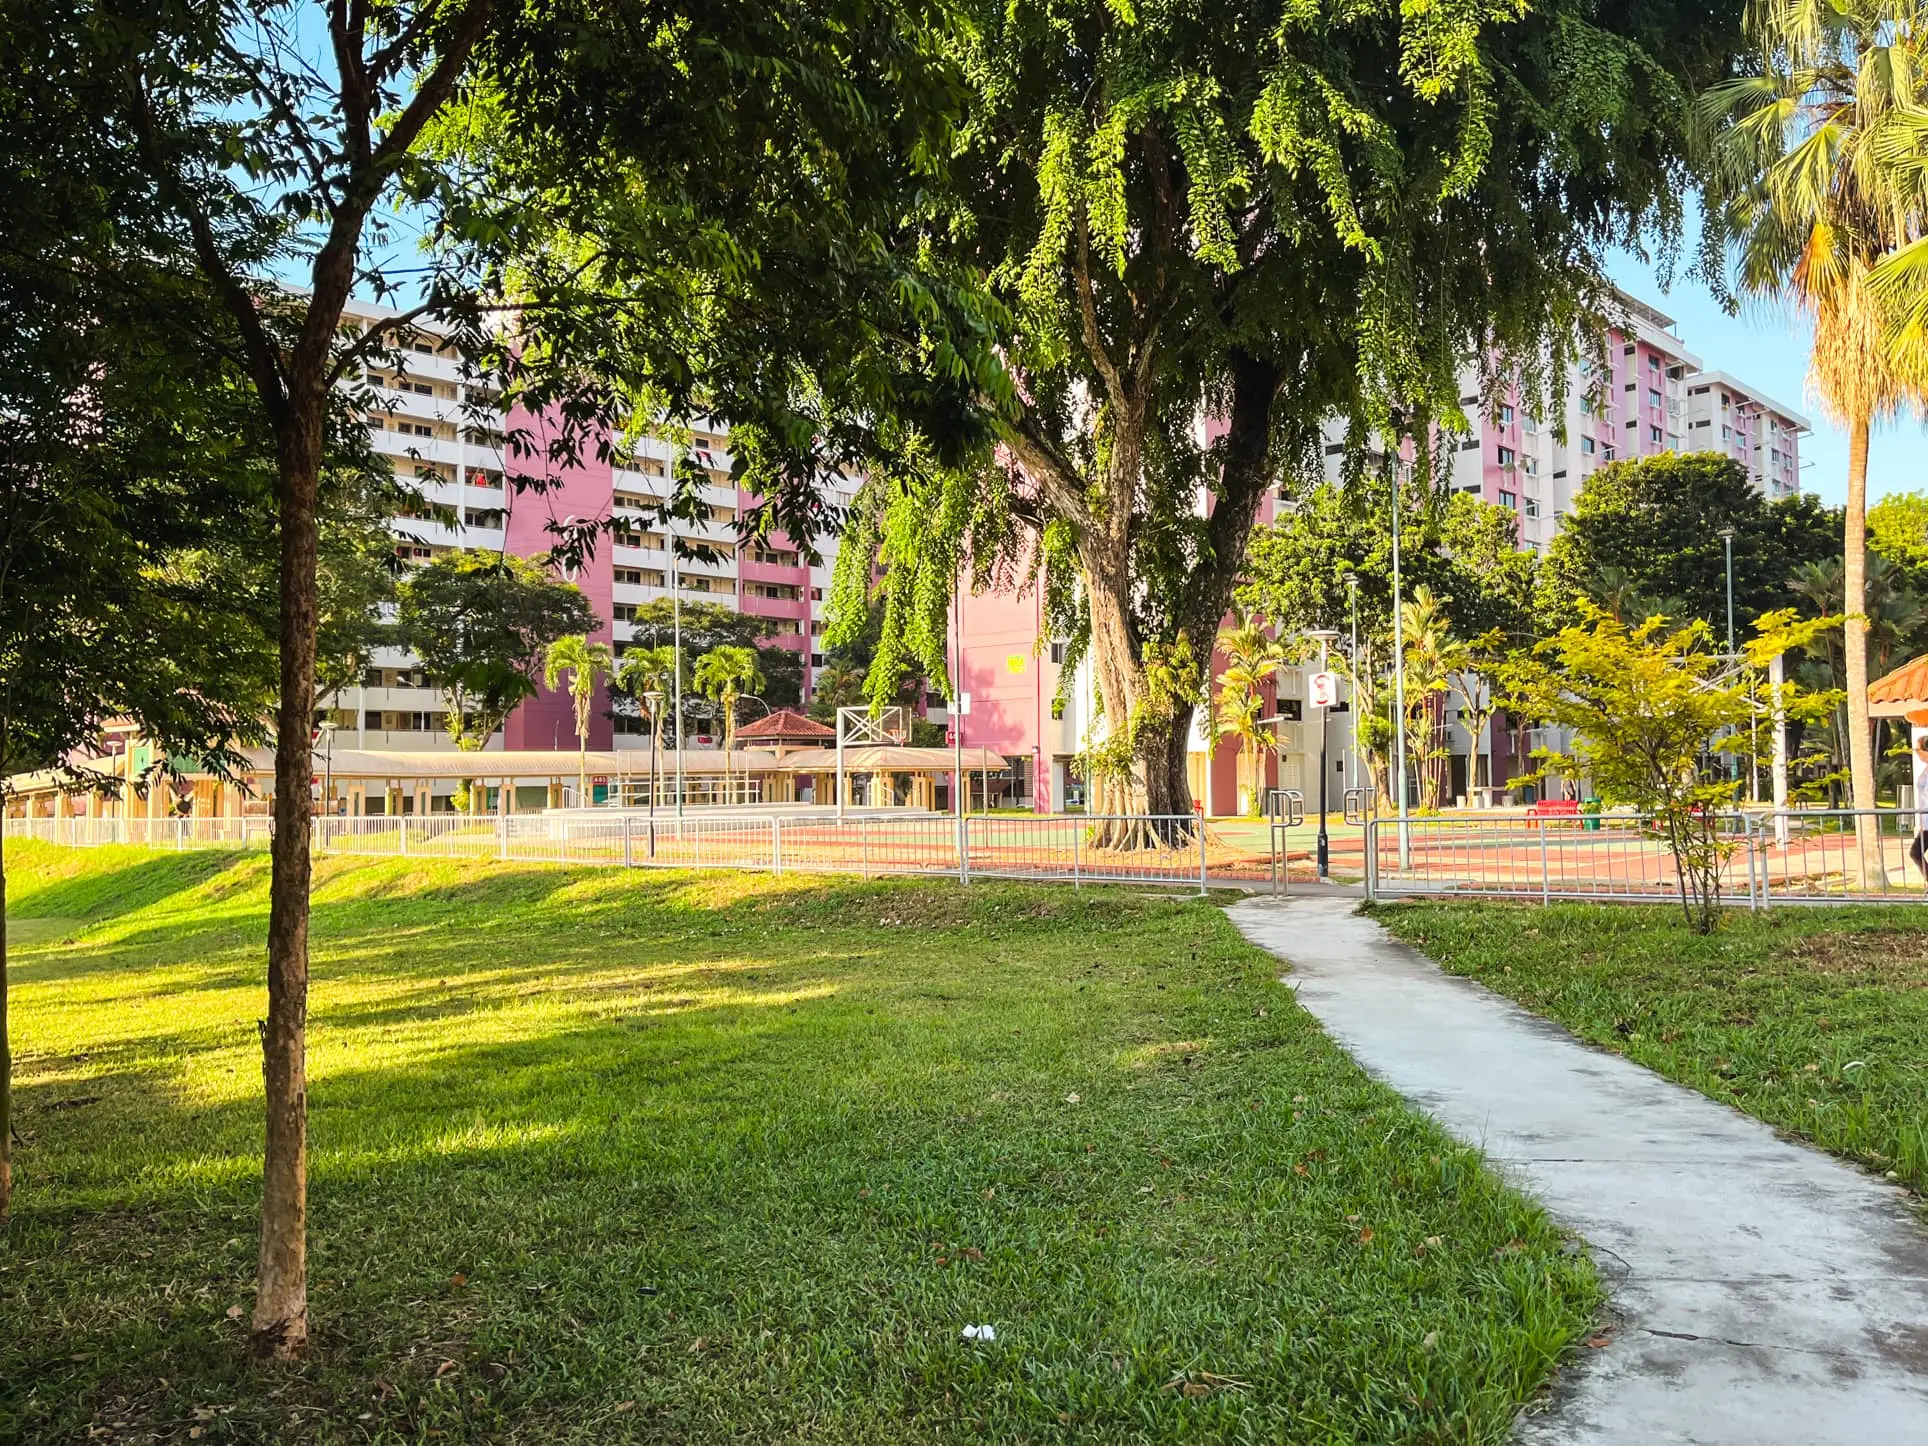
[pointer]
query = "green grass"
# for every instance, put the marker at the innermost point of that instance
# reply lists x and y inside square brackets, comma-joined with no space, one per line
[1815,1020]
[686,1158]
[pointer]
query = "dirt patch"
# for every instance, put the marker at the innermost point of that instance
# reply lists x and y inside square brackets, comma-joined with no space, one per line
[1895,958]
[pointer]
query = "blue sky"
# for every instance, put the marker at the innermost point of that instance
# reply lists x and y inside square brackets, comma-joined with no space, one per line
[1768,349]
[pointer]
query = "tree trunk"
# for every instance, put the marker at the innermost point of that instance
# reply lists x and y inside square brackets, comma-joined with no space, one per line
[6,1046]
[280,1325]
[1854,563]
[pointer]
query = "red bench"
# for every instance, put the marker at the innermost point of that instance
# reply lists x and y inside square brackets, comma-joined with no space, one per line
[1554,808]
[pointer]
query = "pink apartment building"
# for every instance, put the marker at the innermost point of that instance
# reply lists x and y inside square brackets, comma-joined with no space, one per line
[424,419]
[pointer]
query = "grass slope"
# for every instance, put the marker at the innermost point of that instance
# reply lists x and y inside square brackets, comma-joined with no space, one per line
[602,1156]
[1815,1020]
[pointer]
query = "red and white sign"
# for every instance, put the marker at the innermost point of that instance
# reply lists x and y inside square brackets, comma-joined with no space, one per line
[1322,689]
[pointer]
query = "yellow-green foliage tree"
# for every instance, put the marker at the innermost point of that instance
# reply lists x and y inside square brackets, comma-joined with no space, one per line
[1646,705]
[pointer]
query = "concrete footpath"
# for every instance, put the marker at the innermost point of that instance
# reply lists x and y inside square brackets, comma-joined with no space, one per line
[1764,1294]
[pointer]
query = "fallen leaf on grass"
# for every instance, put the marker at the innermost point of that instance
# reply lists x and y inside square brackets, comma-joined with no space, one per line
[234,1312]
[1599,1342]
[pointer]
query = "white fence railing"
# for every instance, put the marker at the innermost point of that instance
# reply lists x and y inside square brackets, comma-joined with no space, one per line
[1168,852]
[1798,856]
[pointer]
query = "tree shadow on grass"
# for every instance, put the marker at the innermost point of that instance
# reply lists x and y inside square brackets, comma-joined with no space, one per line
[76,887]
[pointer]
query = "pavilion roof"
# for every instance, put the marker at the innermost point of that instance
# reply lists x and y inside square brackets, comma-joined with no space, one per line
[788,726]
[1902,693]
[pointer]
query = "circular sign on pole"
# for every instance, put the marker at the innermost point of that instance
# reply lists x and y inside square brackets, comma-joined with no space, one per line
[1323,689]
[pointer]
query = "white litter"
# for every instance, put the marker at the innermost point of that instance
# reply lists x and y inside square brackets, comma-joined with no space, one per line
[980,1333]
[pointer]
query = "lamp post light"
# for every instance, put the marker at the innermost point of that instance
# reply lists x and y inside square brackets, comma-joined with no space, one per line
[1727,540]
[1324,637]
[1399,688]
[654,698]
[1352,606]
[676,635]
[327,765]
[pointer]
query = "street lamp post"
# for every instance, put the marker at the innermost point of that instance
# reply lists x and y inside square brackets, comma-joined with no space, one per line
[1324,637]
[1352,605]
[327,765]
[1727,540]
[654,697]
[1399,687]
[676,635]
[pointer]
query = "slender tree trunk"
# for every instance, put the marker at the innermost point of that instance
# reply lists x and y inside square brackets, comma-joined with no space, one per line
[280,1325]
[1854,564]
[6,1044]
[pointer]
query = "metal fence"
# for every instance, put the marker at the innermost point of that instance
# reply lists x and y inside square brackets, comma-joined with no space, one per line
[1798,856]
[1165,852]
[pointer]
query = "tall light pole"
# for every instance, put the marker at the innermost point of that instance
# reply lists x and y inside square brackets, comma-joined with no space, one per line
[1727,540]
[327,765]
[1352,605]
[1324,637]
[654,697]
[1399,687]
[676,634]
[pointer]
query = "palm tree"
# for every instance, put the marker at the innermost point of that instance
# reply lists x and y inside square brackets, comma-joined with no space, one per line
[644,672]
[1252,656]
[587,664]
[1800,179]
[1432,654]
[726,674]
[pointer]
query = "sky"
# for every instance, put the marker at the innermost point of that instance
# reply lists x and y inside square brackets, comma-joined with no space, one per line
[1768,349]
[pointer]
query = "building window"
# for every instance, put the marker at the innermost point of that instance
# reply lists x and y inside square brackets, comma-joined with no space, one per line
[1532,507]
[1653,397]
[1506,456]
[1057,651]
[1532,465]
[1506,416]
[1653,435]
[1727,434]
[1508,499]
[1586,446]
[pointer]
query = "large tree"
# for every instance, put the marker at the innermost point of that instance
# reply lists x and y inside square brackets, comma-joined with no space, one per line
[1651,530]
[1216,228]
[137,472]
[693,143]
[1797,189]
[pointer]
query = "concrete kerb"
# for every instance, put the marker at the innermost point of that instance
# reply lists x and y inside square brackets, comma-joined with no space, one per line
[1765,1294]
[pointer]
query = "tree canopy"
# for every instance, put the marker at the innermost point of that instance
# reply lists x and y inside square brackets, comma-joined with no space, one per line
[481,624]
[1217,228]
[1648,532]
[1465,550]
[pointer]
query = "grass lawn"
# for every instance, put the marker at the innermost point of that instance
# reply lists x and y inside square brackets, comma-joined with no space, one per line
[1815,1020]
[680,1157]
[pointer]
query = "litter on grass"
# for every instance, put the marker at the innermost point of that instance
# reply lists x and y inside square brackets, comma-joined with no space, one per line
[980,1333]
